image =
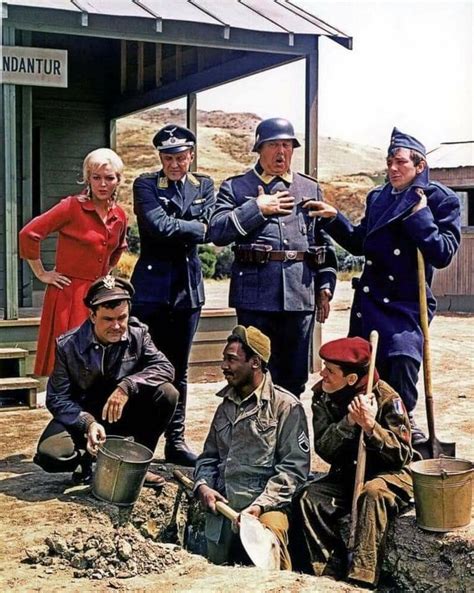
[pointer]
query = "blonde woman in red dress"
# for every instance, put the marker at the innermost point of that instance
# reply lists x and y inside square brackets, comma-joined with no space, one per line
[91,231]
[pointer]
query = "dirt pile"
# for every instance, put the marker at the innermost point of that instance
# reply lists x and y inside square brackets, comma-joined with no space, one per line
[122,554]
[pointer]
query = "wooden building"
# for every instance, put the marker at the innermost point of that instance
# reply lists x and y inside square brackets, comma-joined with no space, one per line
[71,67]
[453,165]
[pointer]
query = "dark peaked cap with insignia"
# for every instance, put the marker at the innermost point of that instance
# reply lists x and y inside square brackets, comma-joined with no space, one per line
[347,351]
[107,289]
[255,340]
[174,138]
[401,140]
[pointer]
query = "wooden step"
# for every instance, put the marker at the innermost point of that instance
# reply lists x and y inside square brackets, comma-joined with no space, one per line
[13,353]
[18,392]
[13,362]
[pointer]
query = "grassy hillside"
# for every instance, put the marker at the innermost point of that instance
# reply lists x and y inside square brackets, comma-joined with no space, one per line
[347,171]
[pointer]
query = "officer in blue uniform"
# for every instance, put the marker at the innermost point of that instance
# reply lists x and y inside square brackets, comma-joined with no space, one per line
[285,265]
[406,213]
[173,207]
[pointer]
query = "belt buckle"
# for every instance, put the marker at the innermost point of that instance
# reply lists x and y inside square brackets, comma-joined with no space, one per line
[290,255]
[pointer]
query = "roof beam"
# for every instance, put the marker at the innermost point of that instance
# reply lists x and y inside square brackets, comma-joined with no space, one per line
[211,77]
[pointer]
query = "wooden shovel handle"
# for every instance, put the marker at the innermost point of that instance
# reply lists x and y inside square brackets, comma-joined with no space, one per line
[221,507]
[426,346]
[361,452]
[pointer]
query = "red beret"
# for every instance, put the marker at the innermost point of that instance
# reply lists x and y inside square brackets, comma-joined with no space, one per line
[347,351]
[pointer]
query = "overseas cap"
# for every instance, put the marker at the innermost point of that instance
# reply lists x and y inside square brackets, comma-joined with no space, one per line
[347,351]
[255,340]
[174,138]
[108,288]
[401,140]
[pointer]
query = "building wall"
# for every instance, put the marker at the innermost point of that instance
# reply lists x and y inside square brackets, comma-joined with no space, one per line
[69,123]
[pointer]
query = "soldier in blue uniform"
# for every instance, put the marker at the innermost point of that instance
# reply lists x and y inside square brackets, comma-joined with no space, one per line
[285,265]
[406,213]
[173,207]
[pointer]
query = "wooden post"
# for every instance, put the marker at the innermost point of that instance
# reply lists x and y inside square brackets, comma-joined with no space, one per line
[311,167]
[10,177]
[191,121]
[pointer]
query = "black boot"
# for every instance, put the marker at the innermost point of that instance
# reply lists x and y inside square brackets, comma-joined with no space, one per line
[417,435]
[83,472]
[176,449]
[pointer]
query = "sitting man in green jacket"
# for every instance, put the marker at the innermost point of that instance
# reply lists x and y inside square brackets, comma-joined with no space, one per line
[341,409]
[256,455]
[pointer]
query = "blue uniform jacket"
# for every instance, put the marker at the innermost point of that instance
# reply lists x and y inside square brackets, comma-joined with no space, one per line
[273,286]
[171,225]
[386,298]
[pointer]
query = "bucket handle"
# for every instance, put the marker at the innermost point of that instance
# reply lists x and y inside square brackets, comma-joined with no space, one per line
[114,455]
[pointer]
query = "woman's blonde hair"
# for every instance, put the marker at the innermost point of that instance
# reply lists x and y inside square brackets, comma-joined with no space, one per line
[98,158]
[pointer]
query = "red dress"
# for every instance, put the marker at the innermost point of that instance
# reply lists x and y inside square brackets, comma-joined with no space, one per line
[86,250]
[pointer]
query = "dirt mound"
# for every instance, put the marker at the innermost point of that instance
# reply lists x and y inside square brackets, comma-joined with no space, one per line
[122,554]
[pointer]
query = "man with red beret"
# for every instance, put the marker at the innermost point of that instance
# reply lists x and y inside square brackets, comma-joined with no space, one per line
[341,409]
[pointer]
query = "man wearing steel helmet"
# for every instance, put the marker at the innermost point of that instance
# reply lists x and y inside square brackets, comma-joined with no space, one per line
[108,378]
[409,212]
[173,207]
[285,266]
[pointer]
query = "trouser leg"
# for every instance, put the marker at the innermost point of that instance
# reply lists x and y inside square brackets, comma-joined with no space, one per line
[172,331]
[317,512]
[401,373]
[376,504]
[290,336]
[60,449]
[147,415]
[278,523]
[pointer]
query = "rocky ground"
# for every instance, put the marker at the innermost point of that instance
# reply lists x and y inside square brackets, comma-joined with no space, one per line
[57,539]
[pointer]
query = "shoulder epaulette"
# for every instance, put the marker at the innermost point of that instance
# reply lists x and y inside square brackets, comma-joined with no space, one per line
[148,175]
[236,176]
[308,177]
[446,190]
[201,175]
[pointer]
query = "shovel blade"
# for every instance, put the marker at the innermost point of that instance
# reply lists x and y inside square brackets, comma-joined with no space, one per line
[433,449]
[259,542]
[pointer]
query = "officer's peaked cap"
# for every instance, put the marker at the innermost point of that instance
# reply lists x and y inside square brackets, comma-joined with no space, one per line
[347,351]
[108,289]
[173,138]
[257,341]
[402,140]
[275,128]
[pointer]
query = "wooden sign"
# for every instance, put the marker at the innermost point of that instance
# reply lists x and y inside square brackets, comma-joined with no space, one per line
[33,66]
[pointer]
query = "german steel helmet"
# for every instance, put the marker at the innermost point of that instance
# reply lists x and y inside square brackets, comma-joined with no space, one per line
[275,128]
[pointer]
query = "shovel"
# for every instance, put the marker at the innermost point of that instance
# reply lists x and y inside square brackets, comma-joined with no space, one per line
[258,541]
[431,448]
[361,452]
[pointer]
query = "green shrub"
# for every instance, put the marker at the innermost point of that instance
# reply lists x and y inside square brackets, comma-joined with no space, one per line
[133,239]
[225,258]
[208,257]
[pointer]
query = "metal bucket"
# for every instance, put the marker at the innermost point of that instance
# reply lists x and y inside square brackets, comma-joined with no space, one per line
[443,493]
[120,470]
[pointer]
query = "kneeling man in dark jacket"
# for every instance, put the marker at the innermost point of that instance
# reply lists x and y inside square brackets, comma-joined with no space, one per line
[108,378]
[340,411]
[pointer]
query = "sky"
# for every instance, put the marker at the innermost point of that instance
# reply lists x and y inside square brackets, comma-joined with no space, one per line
[411,66]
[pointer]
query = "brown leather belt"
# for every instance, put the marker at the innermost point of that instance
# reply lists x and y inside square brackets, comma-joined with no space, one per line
[289,255]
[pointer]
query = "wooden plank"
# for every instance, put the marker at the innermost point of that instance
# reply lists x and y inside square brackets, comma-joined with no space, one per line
[14,383]
[6,353]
